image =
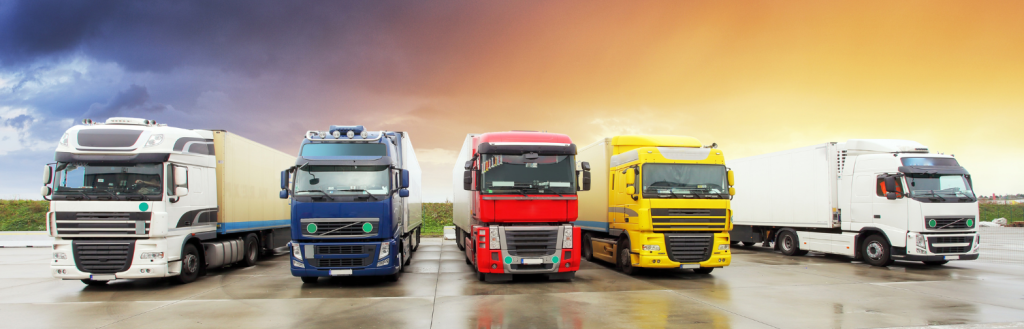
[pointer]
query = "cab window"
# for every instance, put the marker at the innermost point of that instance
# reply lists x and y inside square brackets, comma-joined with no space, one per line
[880,187]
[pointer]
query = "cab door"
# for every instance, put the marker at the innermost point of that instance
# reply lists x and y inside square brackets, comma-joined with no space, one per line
[631,203]
[889,213]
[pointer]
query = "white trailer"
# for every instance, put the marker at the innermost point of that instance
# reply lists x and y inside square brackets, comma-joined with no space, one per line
[131,198]
[880,200]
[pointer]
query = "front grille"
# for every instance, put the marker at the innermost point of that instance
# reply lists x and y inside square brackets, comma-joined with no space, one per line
[689,248]
[687,212]
[340,262]
[103,223]
[933,240]
[947,223]
[335,228]
[95,256]
[531,243]
[525,267]
[344,250]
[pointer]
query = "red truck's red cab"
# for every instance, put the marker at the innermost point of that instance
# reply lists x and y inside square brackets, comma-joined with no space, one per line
[516,203]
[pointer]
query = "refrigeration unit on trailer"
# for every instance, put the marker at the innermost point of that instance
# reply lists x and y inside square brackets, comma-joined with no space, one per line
[880,200]
[355,203]
[515,203]
[657,202]
[131,198]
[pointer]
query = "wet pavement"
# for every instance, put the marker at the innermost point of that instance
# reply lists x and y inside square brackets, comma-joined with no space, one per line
[762,289]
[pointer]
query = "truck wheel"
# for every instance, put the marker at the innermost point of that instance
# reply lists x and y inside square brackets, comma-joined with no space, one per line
[394,277]
[252,248]
[94,282]
[481,276]
[458,240]
[189,264]
[310,279]
[876,251]
[416,240]
[789,244]
[588,248]
[747,244]
[935,262]
[625,261]
[703,270]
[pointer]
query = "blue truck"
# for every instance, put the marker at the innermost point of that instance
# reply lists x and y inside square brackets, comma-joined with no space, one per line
[355,203]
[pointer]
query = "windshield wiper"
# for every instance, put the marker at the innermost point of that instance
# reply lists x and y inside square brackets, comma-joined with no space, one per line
[936,195]
[361,190]
[111,194]
[140,196]
[321,191]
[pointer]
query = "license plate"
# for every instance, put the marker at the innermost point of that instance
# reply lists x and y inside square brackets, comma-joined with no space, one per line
[532,261]
[952,258]
[689,266]
[101,277]
[341,272]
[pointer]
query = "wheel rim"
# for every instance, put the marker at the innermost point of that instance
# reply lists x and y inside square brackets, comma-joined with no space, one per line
[191,263]
[874,250]
[787,243]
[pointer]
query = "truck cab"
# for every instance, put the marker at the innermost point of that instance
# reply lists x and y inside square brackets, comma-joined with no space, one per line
[355,203]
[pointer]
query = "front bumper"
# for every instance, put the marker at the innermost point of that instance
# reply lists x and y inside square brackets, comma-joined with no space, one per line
[497,261]
[660,258]
[370,266]
[69,269]
[939,247]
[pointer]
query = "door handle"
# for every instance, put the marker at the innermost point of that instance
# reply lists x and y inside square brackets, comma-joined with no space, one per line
[878,216]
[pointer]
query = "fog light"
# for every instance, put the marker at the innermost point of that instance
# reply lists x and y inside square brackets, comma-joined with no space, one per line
[60,255]
[723,247]
[921,251]
[297,263]
[566,264]
[494,266]
[152,255]
[652,247]
[384,262]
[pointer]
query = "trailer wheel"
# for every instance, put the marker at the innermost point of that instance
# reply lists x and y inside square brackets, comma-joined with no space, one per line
[458,239]
[588,247]
[252,248]
[310,279]
[189,264]
[703,270]
[876,251]
[93,283]
[789,244]
[625,261]
[935,262]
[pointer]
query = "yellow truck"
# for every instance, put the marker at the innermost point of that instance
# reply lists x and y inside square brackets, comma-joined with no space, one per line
[656,202]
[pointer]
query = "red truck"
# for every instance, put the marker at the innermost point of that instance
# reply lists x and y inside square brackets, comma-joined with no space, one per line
[515,207]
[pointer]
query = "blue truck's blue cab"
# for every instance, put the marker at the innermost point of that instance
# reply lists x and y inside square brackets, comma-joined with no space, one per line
[355,203]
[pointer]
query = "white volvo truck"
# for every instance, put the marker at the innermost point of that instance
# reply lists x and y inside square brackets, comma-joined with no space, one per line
[880,200]
[131,198]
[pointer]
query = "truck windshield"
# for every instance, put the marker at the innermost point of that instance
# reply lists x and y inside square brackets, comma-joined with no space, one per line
[83,181]
[941,187]
[315,181]
[545,174]
[663,180]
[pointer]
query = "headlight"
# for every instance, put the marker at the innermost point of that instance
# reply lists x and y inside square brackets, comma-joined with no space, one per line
[64,139]
[152,255]
[296,251]
[918,238]
[155,140]
[567,238]
[723,247]
[495,243]
[652,247]
[60,255]
[385,250]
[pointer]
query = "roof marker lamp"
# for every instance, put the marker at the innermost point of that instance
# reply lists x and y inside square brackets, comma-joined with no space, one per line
[64,139]
[363,134]
[350,134]
[336,134]
[323,135]
[155,140]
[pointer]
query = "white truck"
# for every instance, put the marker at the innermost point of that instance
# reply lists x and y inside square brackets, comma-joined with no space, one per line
[880,200]
[131,198]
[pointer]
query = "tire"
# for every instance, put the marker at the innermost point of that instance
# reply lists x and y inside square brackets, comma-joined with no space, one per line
[789,244]
[935,262]
[93,283]
[625,262]
[703,270]
[588,248]
[310,279]
[876,251]
[416,241]
[459,239]
[190,263]
[734,242]
[481,276]
[394,277]
[747,244]
[406,261]
[252,248]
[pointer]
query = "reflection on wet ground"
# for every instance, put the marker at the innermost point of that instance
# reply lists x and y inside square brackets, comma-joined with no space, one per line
[762,289]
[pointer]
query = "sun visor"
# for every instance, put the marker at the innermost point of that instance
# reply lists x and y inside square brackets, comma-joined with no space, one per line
[934,170]
[523,148]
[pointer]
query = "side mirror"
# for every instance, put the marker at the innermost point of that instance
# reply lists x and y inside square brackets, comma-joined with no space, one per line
[47,175]
[890,195]
[585,165]
[45,191]
[405,178]
[468,165]
[180,177]
[890,187]
[283,194]
[403,193]
[467,180]
[732,181]
[284,180]
[630,177]
[732,190]
[180,191]
[585,184]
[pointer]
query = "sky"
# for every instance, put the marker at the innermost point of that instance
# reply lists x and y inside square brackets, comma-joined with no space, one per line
[753,76]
